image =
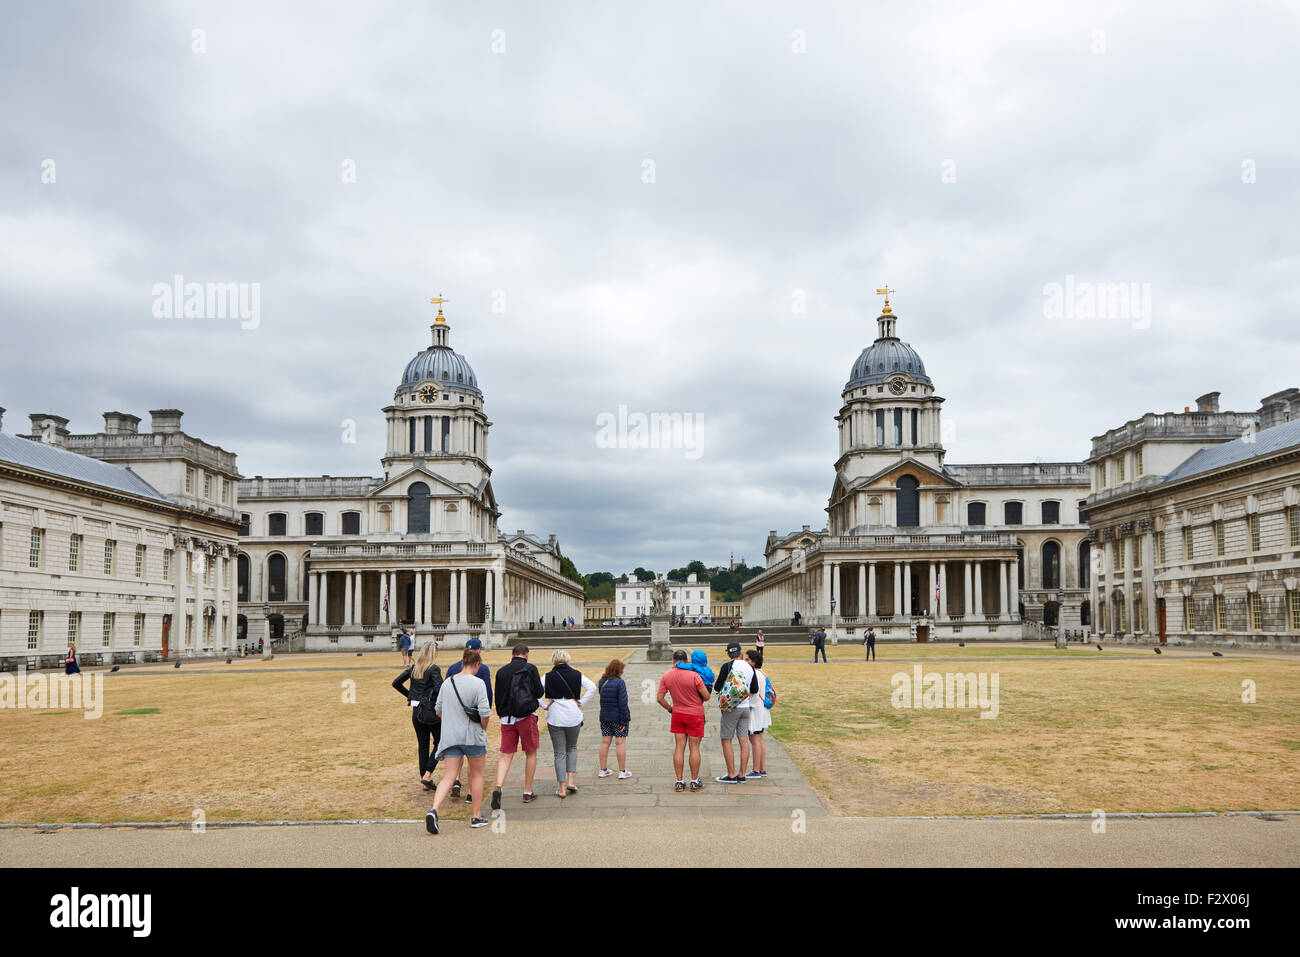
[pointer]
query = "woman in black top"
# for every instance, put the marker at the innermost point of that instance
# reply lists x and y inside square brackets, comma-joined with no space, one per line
[422,671]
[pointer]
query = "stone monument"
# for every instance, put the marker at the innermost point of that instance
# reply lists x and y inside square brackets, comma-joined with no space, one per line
[661,648]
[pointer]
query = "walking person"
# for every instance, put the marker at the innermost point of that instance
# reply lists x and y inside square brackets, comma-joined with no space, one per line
[425,679]
[519,690]
[759,640]
[70,664]
[485,673]
[819,644]
[869,639]
[567,691]
[736,686]
[464,709]
[404,646]
[759,717]
[682,694]
[615,717]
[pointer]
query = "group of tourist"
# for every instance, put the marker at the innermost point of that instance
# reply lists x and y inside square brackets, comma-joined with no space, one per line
[451,714]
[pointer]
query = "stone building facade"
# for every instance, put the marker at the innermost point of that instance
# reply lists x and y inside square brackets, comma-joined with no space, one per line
[120,542]
[1195,524]
[920,549]
[342,561]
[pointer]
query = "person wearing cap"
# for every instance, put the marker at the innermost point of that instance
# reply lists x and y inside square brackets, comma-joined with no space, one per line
[735,723]
[483,672]
[682,694]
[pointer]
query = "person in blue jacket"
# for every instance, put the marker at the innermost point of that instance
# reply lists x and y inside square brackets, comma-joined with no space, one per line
[700,665]
[614,718]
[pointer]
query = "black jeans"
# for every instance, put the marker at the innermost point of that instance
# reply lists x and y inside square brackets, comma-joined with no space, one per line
[422,734]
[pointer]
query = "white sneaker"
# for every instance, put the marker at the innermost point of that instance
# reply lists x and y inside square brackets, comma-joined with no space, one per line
[623,775]
[605,773]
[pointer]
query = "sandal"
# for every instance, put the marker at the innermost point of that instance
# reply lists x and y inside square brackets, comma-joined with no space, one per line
[572,789]
[560,794]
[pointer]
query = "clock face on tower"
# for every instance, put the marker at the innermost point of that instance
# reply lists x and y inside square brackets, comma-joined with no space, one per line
[897,386]
[428,393]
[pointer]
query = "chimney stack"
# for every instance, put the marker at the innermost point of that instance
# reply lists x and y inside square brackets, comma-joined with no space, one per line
[121,423]
[49,428]
[1208,402]
[165,420]
[1279,408]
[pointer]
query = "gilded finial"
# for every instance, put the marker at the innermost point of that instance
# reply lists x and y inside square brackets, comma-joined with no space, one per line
[440,319]
[885,292]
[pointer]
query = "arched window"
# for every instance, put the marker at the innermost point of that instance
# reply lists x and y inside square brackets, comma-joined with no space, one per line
[243,577]
[417,508]
[975,513]
[351,523]
[1085,563]
[275,585]
[909,502]
[1051,565]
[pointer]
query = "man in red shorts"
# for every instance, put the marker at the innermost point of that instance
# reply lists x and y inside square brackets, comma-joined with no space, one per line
[519,687]
[688,694]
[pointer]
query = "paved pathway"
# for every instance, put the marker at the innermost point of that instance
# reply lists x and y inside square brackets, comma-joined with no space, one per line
[649,794]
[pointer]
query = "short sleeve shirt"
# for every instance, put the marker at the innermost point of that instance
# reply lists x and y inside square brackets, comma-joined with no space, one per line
[683,688]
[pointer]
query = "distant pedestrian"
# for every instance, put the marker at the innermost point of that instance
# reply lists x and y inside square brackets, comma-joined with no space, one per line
[567,691]
[70,663]
[425,679]
[615,717]
[465,711]
[759,640]
[736,686]
[682,694]
[759,718]
[519,690]
[404,646]
[819,644]
[869,639]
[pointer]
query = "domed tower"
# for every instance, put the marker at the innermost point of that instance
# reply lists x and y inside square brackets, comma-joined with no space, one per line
[437,420]
[890,416]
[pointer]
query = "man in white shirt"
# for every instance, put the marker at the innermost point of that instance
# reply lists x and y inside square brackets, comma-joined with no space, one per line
[735,723]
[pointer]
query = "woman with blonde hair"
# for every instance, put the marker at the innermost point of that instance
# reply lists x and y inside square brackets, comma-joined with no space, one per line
[425,680]
[567,690]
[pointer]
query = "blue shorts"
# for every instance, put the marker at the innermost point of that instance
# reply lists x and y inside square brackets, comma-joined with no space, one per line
[609,729]
[464,751]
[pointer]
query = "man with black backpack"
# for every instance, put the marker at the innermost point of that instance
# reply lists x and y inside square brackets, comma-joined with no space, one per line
[518,690]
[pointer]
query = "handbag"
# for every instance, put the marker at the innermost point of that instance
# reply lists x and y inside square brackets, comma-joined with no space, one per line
[471,713]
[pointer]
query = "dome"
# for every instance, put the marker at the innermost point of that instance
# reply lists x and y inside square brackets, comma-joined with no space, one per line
[886,357]
[443,365]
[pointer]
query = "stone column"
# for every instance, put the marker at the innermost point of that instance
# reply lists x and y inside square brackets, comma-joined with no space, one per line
[1004,569]
[826,589]
[1092,591]
[419,599]
[896,569]
[1129,620]
[871,589]
[313,591]
[453,603]
[347,598]
[323,617]
[966,606]
[929,598]
[218,600]
[943,589]
[862,589]
[1013,589]
[358,609]
[979,588]
[392,597]
[907,588]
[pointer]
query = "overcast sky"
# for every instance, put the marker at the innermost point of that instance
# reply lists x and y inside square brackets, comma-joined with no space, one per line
[967,154]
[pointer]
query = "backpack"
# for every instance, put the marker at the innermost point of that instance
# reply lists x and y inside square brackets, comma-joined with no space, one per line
[520,701]
[734,691]
[426,704]
[769,693]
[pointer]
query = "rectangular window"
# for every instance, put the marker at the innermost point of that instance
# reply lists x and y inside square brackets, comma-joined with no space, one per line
[880,426]
[315,523]
[207,485]
[1295,610]
[188,560]
[1160,548]
[37,547]
[139,561]
[1256,612]
[898,426]
[1293,522]
[1218,613]
[1137,464]
[1189,548]
[245,524]
[1013,513]
[1119,469]
[277,524]
[1252,522]
[428,433]
[167,564]
[914,425]
[351,523]
[33,630]
[189,630]
[446,433]
[1218,539]
[1051,513]
[110,548]
[138,631]
[975,514]
[1189,614]
[1119,555]
[74,553]
[189,480]
[109,621]
[225,491]
[74,627]
[411,429]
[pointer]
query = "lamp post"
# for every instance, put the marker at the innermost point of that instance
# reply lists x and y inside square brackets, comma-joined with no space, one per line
[1060,618]
[487,624]
[266,632]
[834,631]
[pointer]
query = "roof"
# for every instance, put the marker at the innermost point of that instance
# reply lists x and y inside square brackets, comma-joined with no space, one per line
[1250,446]
[443,365]
[882,359]
[81,468]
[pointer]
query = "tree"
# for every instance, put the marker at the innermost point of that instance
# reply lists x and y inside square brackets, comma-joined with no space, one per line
[642,575]
[570,571]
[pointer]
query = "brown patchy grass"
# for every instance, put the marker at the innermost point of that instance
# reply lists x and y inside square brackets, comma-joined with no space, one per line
[234,743]
[1121,731]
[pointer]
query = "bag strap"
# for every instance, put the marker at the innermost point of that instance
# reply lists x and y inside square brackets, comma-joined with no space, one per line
[452,679]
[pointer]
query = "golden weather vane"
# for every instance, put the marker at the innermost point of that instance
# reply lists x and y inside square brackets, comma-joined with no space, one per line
[438,301]
[885,292]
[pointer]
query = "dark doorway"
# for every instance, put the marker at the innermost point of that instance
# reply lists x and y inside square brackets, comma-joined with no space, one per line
[1160,611]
